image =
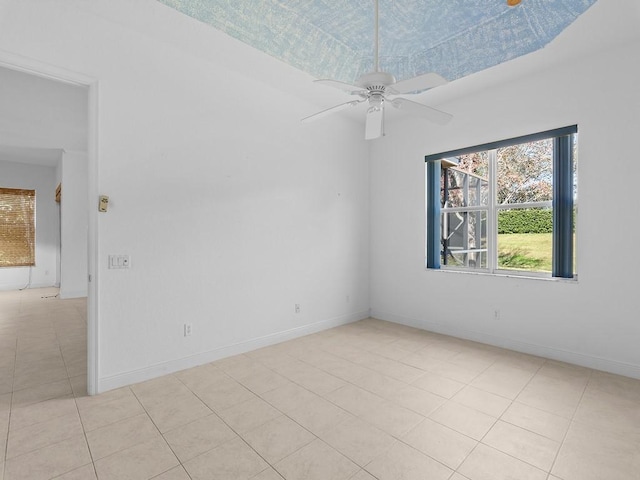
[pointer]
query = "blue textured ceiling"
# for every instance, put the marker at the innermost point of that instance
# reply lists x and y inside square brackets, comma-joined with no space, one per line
[334,38]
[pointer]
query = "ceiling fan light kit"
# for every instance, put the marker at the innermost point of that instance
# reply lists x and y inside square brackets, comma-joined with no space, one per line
[379,87]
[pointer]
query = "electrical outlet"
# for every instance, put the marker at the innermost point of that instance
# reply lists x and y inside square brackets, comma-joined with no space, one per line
[297,308]
[187,329]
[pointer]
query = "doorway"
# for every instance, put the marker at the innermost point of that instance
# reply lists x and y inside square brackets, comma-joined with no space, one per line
[56,137]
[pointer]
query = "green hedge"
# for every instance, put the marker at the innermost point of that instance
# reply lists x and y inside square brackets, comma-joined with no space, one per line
[525,221]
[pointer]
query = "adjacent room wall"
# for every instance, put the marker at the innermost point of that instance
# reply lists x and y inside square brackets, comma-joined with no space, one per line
[43,181]
[74,225]
[231,211]
[593,321]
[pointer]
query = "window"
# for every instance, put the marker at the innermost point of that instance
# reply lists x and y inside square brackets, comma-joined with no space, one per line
[17,227]
[505,207]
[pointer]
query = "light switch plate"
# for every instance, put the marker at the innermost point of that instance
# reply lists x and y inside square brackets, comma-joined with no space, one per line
[119,261]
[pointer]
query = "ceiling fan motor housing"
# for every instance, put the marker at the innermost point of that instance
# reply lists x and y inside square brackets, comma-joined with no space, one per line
[376,81]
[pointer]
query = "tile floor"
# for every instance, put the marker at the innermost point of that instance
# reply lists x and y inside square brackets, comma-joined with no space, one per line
[371,400]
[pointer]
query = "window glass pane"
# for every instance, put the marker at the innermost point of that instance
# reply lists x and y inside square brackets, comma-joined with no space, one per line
[525,239]
[464,239]
[525,172]
[466,184]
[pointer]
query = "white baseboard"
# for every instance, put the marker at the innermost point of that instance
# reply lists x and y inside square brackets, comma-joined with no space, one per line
[76,294]
[576,358]
[128,378]
[21,286]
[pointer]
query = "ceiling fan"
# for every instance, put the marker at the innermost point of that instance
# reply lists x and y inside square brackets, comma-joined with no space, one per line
[378,88]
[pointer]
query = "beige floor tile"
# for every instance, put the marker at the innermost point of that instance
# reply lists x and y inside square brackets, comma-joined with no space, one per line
[390,368]
[620,386]
[172,411]
[268,474]
[431,354]
[393,419]
[610,411]
[43,434]
[355,400]
[475,359]
[458,476]
[503,380]
[465,420]
[154,391]
[4,430]
[5,402]
[231,460]
[40,393]
[441,443]
[442,386]
[88,472]
[25,416]
[262,380]
[358,440]
[105,413]
[144,460]
[249,415]
[199,436]
[316,461]
[537,421]
[553,395]
[117,394]
[363,475]
[378,384]
[574,374]
[77,368]
[416,399]
[486,463]
[381,413]
[50,461]
[79,385]
[403,462]
[223,394]
[397,351]
[176,473]
[201,376]
[118,436]
[527,446]
[318,416]
[455,372]
[40,376]
[313,379]
[278,438]
[590,453]
[485,402]
[289,397]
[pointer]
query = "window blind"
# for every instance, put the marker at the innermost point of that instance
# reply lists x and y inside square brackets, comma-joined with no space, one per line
[17,227]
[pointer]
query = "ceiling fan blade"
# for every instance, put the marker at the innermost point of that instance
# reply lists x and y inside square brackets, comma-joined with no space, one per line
[420,110]
[417,84]
[352,89]
[329,111]
[373,125]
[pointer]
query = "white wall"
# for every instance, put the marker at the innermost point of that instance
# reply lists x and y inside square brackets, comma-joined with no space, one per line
[231,210]
[43,181]
[74,224]
[593,321]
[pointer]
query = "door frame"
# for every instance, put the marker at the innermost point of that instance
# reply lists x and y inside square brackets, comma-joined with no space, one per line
[59,74]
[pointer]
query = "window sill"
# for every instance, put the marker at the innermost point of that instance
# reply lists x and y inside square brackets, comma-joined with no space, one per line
[506,274]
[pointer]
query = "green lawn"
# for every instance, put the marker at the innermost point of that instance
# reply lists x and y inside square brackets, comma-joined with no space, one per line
[525,251]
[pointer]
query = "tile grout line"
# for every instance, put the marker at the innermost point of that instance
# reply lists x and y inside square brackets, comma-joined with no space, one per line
[571,421]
